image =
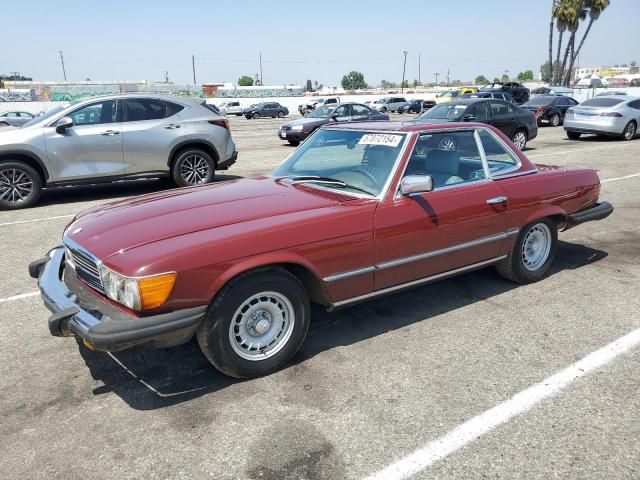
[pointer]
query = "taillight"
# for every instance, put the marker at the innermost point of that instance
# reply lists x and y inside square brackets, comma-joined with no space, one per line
[540,111]
[220,123]
[611,114]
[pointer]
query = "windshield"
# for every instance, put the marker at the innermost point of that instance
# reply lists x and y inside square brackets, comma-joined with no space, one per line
[451,94]
[43,118]
[381,100]
[601,102]
[355,161]
[536,101]
[321,112]
[445,111]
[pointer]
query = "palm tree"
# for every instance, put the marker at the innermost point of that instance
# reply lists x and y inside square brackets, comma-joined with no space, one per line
[596,7]
[562,12]
[575,13]
[551,25]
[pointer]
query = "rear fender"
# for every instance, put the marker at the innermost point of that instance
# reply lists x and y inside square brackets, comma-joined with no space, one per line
[550,211]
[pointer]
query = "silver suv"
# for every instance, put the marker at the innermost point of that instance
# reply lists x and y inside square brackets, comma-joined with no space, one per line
[114,138]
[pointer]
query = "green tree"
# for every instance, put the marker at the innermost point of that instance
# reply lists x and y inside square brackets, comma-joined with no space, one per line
[245,81]
[633,67]
[496,80]
[546,73]
[309,87]
[385,84]
[481,80]
[505,78]
[353,81]
[525,76]
[405,84]
[416,83]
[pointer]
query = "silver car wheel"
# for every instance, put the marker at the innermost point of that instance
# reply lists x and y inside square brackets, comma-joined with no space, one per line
[555,120]
[536,247]
[448,144]
[15,185]
[194,170]
[519,139]
[261,326]
[629,131]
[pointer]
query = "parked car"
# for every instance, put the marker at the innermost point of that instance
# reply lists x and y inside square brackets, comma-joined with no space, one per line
[552,90]
[447,96]
[412,106]
[296,131]
[113,138]
[518,91]
[517,124]
[265,109]
[309,106]
[231,108]
[358,211]
[549,109]
[610,93]
[506,96]
[617,116]
[15,119]
[388,104]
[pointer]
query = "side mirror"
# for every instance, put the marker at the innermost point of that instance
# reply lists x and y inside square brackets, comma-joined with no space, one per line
[468,118]
[334,117]
[63,124]
[416,184]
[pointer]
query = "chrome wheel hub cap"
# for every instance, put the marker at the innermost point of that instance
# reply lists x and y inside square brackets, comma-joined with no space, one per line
[194,170]
[629,132]
[15,185]
[536,247]
[447,144]
[519,140]
[261,326]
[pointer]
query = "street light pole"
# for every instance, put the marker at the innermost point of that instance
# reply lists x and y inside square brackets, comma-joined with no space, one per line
[64,72]
[404,69]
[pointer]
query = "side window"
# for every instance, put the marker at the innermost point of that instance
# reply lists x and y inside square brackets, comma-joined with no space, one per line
[95,113]
[635,104]
[498,108]
[480,112]
[511,108]
[342,111]
[499,157]
[140,109]
[331,100]
[450,158]
[360,110]
[172,108]
[13,115]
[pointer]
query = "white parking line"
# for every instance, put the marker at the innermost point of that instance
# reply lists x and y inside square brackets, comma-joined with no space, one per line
[620,178]
[577,151]
[35,220]
[500,414]
[19,297]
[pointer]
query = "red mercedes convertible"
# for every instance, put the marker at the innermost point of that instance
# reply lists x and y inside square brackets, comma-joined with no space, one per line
[357,211]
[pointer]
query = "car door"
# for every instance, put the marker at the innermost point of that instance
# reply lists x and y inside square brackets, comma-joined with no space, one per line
[459,223]
[360,112]
[502,117]
[563,104]
[91,148]
[342,113]
[478,112]
[150,129]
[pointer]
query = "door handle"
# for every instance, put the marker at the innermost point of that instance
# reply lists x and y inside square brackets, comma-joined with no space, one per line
[110,133]
[172,126]
[496,200]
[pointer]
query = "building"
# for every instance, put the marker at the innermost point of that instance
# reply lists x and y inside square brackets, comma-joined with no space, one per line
[601,71]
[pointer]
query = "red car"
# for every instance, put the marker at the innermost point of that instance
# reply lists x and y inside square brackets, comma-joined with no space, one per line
[359,210]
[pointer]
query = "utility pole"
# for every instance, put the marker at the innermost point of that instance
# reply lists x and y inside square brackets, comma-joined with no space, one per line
[447,77]
[193,66]
[64,72]
[261,80]
[419,79]
[404,68]
[166,76]
[436,74]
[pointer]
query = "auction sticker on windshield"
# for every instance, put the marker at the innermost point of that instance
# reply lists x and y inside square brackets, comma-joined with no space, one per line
[380,139]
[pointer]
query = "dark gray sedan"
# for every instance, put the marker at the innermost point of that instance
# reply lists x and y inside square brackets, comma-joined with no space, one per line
[15,119]
[296,131]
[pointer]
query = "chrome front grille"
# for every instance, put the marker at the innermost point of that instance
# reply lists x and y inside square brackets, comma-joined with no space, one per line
[84,264]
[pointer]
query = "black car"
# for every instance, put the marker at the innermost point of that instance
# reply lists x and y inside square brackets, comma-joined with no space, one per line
[415,106]
[518,91]
[516,123]
[266,109]
[549,109]
[500,95]
[296,131]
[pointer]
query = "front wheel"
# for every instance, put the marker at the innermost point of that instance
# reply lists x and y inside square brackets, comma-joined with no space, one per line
[280,114]
[573,135]
[629,131]
[256,115]
[555,120]
[193,167]
[532,253]
[383,109]
[519,139]
[295,143]
[4,124]
[256,323]
[20,185]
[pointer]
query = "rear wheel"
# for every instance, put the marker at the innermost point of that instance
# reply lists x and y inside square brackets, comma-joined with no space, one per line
[256,323]
[383,109]
[193,167]
[519,139]
[629,131]
[573,135]
[256,115]
[532,253]
[555,120]
[4,124]
[20,185]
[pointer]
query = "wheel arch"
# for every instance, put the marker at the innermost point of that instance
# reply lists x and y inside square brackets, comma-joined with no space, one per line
[554,212]
[187,144]
[30,159]
[297,266]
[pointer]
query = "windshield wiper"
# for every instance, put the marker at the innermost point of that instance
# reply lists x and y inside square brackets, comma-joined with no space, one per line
[326,180]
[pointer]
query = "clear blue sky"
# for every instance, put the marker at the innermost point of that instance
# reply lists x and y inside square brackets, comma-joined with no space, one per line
[139,40]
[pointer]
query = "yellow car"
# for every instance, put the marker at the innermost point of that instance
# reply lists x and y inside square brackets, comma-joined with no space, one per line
[450,95]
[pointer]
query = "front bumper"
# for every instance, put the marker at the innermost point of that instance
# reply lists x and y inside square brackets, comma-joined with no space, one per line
[596,212]
[105,327]
[228,162]
[292,136]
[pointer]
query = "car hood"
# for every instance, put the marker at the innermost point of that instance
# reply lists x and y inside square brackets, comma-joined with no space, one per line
[117,227]
[15,135]
[307,121]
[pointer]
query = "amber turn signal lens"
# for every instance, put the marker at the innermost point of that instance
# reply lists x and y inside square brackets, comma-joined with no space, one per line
[155,290]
